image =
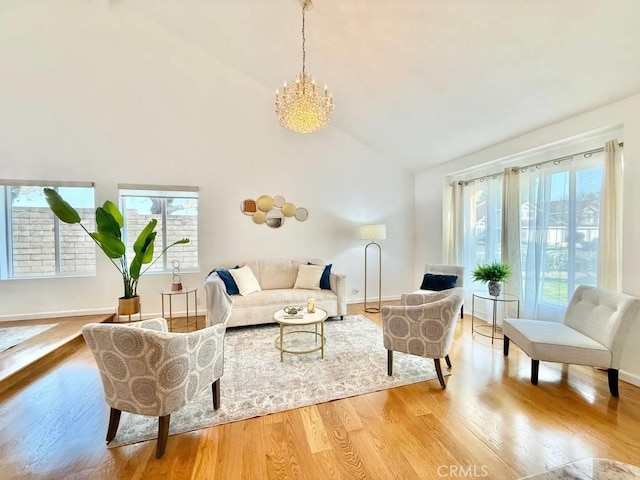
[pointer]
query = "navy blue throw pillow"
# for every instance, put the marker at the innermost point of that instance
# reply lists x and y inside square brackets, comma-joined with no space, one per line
[438,282]
[229,282]
[324,279]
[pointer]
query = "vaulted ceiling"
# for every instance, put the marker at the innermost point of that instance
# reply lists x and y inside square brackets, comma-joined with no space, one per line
[425,81]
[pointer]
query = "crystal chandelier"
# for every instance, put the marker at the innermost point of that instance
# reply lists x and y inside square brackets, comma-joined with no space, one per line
[303,107]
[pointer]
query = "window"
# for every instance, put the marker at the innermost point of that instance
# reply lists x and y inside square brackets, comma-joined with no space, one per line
[559,236]
[33,242]
[558,205]
[175,209]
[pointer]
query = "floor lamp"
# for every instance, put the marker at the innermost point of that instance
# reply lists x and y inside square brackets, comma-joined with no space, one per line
[373,233]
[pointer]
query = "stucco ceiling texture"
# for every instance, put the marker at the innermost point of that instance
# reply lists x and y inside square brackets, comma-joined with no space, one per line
[426,81]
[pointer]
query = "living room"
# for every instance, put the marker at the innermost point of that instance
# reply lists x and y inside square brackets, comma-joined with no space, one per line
[128,92]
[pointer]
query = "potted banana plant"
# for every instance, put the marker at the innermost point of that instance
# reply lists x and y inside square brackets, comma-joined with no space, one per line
[109,223]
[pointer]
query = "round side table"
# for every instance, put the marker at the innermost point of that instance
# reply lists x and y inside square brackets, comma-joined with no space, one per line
[192,321]
[505,298]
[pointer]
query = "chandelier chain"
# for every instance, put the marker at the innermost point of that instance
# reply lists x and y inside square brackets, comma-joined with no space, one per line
[304,54]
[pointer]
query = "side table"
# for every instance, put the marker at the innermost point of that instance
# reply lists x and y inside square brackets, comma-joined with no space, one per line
[505,298]
[192,321]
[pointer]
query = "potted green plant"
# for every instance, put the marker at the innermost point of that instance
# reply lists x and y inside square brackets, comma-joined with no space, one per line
[109,222]
[493,274]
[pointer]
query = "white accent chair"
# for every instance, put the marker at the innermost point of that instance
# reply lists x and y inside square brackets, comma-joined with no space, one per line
[592,333]
[442,269]
[423,325]
[147,370]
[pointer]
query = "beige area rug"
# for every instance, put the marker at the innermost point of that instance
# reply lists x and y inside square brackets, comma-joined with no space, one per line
[256,383]
[12,336]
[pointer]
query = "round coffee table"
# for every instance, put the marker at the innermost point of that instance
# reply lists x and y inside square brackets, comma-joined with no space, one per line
[301,320]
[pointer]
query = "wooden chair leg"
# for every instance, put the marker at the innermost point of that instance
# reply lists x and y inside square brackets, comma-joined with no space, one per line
[114,421]
[439,372]
[446,359]
[535,366]
[462,311]
[163,434]
[505,346]
[389,362]
[215,388]
[613,382]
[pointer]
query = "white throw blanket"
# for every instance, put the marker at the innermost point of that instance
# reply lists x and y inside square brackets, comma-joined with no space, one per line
[218,300]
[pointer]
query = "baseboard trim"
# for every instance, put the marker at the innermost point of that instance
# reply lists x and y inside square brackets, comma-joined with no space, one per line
[63,313]
[371,300]
[631,378]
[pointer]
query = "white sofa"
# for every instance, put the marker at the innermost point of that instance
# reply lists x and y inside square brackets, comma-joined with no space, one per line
[276,279]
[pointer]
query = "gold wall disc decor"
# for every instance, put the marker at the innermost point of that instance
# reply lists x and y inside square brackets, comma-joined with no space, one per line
[272,210]
[288,209]
[278,201]
[259,217]
[265,203]
[301,214]
[249,206]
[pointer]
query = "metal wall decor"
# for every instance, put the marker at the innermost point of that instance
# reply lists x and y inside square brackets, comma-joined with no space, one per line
[272,210]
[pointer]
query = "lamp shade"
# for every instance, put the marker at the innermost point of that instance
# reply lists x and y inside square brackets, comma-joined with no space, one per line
[373,232]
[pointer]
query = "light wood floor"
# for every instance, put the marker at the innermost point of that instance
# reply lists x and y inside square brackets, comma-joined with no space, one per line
[490,422]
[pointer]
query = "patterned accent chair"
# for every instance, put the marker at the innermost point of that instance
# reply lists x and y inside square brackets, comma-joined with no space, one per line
[423,325]
[592,333]
[148,371]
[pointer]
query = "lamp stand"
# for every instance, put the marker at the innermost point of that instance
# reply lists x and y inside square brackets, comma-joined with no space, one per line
[373,309]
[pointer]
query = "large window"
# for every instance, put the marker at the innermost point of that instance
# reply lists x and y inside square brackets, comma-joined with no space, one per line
[175,209]
[559,213]
[33,242]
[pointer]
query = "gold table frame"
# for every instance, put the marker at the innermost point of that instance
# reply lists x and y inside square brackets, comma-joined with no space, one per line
[185,291]
[316,318]
[505,298]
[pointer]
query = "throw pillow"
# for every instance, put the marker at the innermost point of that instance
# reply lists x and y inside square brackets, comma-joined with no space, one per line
[246,280]
[324,279]
[309,277]
[229,283]
[437,283]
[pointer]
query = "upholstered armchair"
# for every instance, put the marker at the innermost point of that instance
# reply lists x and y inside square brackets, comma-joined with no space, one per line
[442,269]
[423,325]
[148,371]
[592,333]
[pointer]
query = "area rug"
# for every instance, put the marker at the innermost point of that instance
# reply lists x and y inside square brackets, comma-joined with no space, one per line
[12,336]
[256,383]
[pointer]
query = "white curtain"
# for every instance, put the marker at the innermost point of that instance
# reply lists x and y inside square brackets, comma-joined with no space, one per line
[455,244]
[610,228]
[511,234]
[535,199]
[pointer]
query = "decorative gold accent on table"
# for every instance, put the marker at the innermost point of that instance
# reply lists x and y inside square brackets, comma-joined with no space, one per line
[301,319]
[303,107]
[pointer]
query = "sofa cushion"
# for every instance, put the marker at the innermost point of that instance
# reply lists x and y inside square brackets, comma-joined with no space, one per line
[279,298]
[229,283]
[555,342]
[325,283]
[246,280]
[277,274]
[309,277]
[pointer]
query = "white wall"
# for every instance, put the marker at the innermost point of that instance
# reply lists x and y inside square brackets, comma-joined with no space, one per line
[430,206]
[91,93]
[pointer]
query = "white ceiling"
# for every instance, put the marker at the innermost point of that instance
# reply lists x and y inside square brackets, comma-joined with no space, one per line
[425,81]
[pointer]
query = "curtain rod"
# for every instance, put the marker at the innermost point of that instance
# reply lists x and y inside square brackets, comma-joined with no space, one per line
[586,154]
